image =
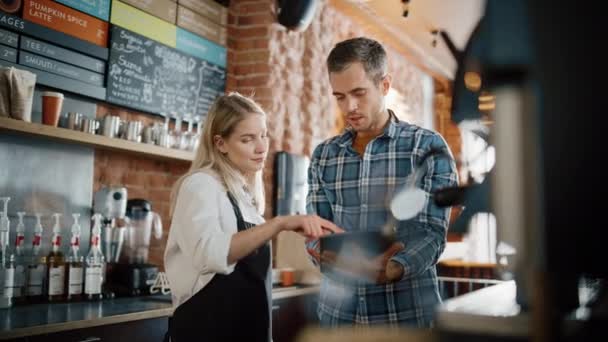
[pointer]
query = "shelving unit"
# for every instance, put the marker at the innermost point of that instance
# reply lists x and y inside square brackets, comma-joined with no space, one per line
[97,141]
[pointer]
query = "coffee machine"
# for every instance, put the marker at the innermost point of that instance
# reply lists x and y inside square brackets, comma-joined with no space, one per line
[132,275]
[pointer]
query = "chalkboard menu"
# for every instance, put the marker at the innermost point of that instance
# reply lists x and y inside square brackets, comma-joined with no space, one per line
[149,76]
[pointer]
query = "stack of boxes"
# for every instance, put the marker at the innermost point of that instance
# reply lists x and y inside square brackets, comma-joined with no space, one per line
[205,18]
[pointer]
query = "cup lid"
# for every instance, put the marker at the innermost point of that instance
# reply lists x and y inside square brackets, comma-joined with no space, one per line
[52,93]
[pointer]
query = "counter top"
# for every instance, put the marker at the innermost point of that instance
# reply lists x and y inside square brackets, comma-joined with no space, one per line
[491,310]
[35,319]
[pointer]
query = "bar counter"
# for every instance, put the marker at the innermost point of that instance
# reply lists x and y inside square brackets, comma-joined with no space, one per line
[38,319]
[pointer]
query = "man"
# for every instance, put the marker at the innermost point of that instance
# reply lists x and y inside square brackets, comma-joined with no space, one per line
[352,178]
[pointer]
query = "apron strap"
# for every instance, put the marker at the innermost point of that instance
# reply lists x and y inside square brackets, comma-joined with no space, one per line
[240,221]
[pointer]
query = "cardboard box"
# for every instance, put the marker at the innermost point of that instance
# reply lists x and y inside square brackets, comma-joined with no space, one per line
[140,22]
[200,25]
[163,9]
[208,8]
[96,8]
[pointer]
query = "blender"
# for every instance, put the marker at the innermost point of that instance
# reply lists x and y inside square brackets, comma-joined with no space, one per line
[144,222]
[133,275]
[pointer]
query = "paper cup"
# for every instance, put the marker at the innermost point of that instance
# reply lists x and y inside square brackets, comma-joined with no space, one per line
[287,277]
[51,107]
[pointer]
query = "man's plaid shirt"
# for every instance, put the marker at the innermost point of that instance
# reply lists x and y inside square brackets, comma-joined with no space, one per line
[353,191]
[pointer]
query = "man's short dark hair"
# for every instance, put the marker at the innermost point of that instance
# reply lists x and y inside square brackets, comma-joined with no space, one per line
[367,51]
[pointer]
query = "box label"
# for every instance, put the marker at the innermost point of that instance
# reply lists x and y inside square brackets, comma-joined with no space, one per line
[208,8]
[66,20]
[96,8]
[59,68]
[142,23]
[200,47]
[200,25]
[68,56]
[164,9]
[8,38]
[8,54]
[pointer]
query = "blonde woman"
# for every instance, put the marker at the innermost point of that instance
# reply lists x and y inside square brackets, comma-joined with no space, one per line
[218,255]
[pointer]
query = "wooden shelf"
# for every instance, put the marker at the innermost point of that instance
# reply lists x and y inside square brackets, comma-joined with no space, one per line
[97,141]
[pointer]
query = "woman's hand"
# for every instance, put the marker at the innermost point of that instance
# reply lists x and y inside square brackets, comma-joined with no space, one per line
[311,226]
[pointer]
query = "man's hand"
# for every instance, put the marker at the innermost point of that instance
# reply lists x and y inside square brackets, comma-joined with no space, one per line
[394,271]
[378,270]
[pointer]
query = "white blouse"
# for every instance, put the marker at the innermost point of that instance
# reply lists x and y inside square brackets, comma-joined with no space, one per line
[201,230]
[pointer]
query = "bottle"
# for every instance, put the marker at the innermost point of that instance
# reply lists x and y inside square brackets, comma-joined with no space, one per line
[94,264]
[7,274]
[55,263]
[9,280]
[74,278]
[19,261]
[36,270]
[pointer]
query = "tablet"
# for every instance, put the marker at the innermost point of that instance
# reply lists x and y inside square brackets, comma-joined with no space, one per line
[369,244]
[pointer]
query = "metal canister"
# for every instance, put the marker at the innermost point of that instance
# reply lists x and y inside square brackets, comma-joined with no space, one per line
[74,120]
[89,125]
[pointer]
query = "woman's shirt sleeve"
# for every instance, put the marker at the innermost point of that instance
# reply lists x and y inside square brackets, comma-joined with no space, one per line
[197,217]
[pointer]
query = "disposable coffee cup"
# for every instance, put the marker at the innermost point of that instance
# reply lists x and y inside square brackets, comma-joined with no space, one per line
[51,107]
[287,277]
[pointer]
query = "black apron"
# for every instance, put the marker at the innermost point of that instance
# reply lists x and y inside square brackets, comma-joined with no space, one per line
[230,307]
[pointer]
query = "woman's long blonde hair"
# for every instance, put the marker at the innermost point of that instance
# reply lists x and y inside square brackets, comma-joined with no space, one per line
[223,116]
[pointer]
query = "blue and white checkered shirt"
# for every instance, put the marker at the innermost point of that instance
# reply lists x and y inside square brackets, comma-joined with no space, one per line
[353,192]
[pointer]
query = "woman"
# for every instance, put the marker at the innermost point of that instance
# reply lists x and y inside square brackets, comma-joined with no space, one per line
[218,256]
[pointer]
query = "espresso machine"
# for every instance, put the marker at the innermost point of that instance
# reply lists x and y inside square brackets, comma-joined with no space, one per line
[132,275]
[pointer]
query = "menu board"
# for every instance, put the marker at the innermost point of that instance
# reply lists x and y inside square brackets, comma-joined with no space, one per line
[149,76]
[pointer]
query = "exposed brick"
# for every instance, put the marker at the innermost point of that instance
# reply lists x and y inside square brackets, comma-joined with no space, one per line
[260,56]
[256,92]
[137,192]
[246,69]
[452,129]
[110,177]
[247,44]
[163,210]
[142,164]
[230,56]
[134,179]
[231,18]
[231,43]
[171,179]
[121,161]
[254,81]
[249,32]
[257,20]
[254,7]
[101,158]
[231,83]
[265,104]
[156,180]
[178,168]
[159,196]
